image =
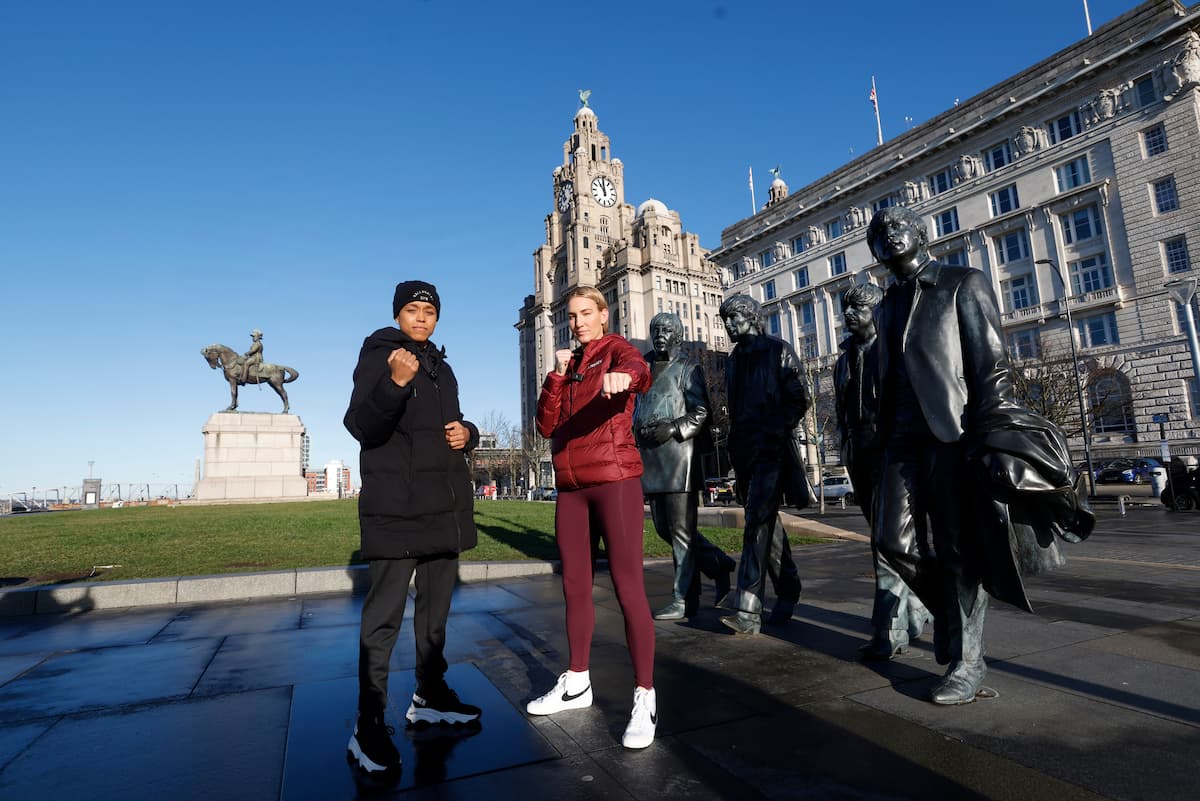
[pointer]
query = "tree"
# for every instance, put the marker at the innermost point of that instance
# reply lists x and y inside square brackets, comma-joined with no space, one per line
[534,450]
[1045,383]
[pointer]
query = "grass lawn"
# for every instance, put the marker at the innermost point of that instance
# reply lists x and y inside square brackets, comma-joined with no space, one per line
[163,541]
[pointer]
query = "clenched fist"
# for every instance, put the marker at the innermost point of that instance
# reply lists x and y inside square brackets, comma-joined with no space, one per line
[457,435]
[403,365]
[561,359]
[615,383]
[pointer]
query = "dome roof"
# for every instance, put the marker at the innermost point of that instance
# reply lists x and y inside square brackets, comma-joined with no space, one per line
[585,112]
[658,206]
[778,182]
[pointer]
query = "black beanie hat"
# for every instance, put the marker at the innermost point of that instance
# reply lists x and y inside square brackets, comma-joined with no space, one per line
[409,291]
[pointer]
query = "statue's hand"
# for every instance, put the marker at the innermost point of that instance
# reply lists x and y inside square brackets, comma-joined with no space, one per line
[404,366]
[662,432]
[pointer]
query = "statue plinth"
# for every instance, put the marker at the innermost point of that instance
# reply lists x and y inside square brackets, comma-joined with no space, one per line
[252,456]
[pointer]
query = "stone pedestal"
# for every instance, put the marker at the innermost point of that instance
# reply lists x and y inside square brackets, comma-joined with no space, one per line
[252,456]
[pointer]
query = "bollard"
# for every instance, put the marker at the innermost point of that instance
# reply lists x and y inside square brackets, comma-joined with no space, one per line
[1121,504]
[842,501]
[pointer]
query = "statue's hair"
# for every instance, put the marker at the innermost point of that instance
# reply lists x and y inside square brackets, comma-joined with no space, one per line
[748,306]
[862,295]
[901,212]
[670,319]
[592,294]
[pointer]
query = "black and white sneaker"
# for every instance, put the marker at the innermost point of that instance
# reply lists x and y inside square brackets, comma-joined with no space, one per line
[559,699]
[440,705]
[371,746]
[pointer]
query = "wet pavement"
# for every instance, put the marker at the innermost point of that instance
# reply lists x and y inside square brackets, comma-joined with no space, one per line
[1097,694]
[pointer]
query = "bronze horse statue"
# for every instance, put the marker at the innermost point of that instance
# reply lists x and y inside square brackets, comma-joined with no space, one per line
[274,375]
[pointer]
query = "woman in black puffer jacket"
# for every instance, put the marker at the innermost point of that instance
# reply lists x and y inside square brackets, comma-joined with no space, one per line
[415,514]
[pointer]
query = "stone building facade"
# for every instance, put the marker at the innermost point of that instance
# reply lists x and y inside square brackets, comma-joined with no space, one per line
[641,259]
[1087,162]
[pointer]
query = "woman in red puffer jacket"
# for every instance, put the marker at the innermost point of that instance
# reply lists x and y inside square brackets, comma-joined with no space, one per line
[586,410]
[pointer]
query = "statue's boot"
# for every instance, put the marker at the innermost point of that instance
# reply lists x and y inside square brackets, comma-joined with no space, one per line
[676,610]
[888,617]
[965,644]
[714,564]
[743,623]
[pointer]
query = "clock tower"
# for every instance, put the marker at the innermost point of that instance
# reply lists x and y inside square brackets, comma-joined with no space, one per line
[641,260]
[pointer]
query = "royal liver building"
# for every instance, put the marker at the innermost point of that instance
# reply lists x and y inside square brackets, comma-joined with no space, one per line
[641,259]
[1074,185]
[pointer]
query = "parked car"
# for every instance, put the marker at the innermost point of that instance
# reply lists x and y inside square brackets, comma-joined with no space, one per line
[545,494]
[1127,471]
[719,490]
[837,487]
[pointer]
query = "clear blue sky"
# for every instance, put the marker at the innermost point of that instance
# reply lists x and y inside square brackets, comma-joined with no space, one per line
[175,174]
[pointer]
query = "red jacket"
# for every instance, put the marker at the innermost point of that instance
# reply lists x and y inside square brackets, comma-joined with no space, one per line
[591,437]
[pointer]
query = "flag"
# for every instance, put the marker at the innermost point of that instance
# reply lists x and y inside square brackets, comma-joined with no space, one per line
[751,179]
[874,101]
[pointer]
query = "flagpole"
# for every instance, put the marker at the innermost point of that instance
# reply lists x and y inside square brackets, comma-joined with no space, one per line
[753,203]
[875,103]
[1087,17]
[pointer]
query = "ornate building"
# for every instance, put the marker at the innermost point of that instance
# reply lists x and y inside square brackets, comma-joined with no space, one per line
[640,259]
[1087,162]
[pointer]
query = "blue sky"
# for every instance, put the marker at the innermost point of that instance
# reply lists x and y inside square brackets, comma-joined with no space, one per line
[174,174]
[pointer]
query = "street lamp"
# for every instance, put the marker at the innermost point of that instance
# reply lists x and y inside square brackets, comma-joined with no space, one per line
[1182,291]
[1083,421]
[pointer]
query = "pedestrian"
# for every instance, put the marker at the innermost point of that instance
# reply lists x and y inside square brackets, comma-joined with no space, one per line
[415,515]
[585,410]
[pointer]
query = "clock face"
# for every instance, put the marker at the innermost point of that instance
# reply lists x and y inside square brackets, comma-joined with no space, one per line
[564,195]
[603,191]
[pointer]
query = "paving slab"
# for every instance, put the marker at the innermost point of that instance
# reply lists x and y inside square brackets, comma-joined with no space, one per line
[282,658]
[219,749]
[221,620]
[105,678]
[97,629]
[13,666]
[1175,643]
[1087,741]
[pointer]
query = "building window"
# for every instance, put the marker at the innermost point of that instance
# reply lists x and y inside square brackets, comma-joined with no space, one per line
[1154,139]
[585,243]
[769,290]
[887,201]
[773,324]
[946,222]
[1024,344]
[997,156]
[1081,224]
[1143,89]
[1181,314]
[766,258]
[1072,174]
[1176,255]
[800,277]
[1020,292]
[1097,330]
[833,228]
[1193,391]
[1091,274]
[1111,403]
[660,308]
[1012,246]
[799,245]
[1004,200]
[956,258]
[837,263]
[1063,128]
[808,317]
[941,181]
[1165,197]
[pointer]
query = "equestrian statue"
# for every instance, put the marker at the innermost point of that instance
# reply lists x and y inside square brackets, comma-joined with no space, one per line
[249,369]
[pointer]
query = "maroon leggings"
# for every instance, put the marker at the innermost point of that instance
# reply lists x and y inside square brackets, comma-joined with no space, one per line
[616,509]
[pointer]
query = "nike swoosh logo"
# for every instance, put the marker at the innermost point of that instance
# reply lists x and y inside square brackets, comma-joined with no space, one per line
[654,718]
[568,697]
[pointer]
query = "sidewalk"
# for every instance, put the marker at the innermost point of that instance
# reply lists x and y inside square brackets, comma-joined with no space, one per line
[1098,695]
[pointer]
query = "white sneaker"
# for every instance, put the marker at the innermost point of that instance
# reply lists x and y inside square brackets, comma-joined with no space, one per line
[558,699]
[643,721]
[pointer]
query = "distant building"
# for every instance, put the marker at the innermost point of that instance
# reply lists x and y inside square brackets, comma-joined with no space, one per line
[641,260]
[1090,158]
[333,479]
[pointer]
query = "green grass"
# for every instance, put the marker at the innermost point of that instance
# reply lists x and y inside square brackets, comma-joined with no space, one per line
[162,541]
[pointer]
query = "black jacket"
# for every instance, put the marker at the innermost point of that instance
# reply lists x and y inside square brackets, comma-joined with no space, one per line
[416,496]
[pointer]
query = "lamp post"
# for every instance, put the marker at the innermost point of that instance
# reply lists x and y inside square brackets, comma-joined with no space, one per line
[1083,420]
[1182,291]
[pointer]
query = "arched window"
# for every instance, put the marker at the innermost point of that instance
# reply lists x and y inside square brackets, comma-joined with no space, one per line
[1110,402]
